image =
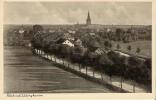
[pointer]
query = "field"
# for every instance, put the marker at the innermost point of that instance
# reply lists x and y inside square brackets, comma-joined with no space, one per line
[145,47]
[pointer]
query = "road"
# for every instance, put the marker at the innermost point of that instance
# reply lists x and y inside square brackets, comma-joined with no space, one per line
[27,73]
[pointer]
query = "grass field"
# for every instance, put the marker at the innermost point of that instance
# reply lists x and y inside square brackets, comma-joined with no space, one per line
[145,47]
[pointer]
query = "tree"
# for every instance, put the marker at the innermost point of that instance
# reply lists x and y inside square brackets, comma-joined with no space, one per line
[148,63]
[119,34]
[65,51]
[133,69]
[37,39]
[106,65]
[129,48]
[110,45]
[133,62]
[119,64]
[118,46]
[93,45]
[37,28]
[104,60]
[107,44]
[138,50]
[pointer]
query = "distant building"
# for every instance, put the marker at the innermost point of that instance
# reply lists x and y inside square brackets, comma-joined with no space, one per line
[71,31]
[88,21]
[100,51]
[92,34]
[21,31]
[51,31]
[67,42]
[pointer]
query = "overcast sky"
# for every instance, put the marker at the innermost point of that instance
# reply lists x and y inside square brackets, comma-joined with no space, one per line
[71,13]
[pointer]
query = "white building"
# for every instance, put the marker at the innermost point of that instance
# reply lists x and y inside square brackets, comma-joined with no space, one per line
[67,42]
[21,31]
[92,34]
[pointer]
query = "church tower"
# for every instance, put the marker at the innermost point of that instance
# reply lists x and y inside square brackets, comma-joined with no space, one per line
[88,21]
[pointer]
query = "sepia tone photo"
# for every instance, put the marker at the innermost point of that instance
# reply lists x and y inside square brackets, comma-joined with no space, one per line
[77,47]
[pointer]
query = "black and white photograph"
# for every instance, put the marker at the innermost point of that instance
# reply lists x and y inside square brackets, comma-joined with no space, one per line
[77,47]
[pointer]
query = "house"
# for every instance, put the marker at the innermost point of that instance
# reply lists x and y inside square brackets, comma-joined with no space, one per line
[21,31]
[92,34]
[69,43]
[65,42]
[100,51]
[71,31]
[51,31]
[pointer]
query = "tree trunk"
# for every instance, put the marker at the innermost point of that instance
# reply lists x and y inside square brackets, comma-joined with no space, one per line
[133,87]
[121,82]
[93,72]
[110,78]
[86,69]
[101,76]
[79,67]
[55,58]
[73,66]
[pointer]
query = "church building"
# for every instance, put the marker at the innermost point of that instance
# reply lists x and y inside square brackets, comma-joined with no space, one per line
[88,21]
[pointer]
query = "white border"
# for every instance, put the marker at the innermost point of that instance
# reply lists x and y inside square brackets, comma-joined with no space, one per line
[85,96]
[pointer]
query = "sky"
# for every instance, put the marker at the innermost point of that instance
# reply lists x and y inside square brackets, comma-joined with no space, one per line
[107,13]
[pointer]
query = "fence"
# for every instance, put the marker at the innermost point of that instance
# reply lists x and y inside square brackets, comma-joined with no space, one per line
[118,82]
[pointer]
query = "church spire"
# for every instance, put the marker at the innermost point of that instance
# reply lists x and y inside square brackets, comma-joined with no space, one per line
[88,21]
[88,15]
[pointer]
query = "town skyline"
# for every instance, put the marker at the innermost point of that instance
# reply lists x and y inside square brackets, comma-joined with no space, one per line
[56,13]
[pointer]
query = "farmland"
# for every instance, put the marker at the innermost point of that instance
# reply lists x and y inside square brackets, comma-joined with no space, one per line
[145,46]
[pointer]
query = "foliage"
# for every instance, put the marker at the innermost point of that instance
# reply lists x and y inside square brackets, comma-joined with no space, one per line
[129,48]
[138,50]
[37,28]
[107,44]
[118,46]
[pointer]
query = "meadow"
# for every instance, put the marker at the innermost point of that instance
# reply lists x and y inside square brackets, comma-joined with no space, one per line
[144,45]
